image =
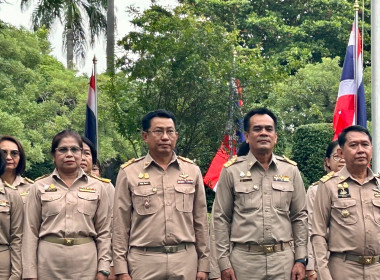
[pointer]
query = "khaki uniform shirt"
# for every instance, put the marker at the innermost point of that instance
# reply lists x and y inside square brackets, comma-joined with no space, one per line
[353,219]
[259,206]
[11,221]
[76,212]
[23,185]
[155,207]
[310,197]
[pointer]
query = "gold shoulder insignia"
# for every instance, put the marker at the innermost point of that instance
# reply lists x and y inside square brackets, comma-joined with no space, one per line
[315,183]
[327,177]
[100,178]
[292,162]
[9,186]
[30,181]
[129,162]
[231,161]
[186,159]
[41,177]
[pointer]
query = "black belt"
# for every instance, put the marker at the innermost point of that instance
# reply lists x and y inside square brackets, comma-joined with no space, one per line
[164,249]
[265,248]
[366,260]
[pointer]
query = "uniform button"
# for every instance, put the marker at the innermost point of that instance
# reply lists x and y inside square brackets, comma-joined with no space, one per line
[265,192]
[167,203]
[266,210]
[267,229]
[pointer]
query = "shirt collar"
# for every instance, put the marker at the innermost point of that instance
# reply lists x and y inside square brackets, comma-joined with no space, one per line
[81,174]
[148,160]
[344,174]
[251,160]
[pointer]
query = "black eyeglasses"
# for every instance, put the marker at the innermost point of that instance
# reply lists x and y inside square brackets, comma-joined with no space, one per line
[336,157]
[65,150]
[160,132]
[12,153]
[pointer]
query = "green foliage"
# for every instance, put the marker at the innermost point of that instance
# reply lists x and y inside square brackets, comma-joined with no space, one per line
[39,98]
[309,148]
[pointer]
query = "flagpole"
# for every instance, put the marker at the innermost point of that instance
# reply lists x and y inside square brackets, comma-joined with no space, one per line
[96,104]
[375,82]
[356,26]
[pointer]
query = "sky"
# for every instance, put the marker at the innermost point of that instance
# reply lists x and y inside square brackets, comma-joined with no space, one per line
[11,13]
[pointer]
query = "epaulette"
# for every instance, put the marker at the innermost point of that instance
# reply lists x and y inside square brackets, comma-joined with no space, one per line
[315,183]
[292,162]
[327,177]
[41,177]
[231,161]
[30,181]
[9,186]
[129,162]
[186,159]
[100,178]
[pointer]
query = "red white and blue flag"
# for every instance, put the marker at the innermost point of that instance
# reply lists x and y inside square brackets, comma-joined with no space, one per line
[350,106]
[91,113]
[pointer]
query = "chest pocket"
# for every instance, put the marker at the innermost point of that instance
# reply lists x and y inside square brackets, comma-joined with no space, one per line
[184,197]
[247,196]
[376,210]
[145,200]
[345,212]
[51,203]
[282,195]
[87,203]
[5,209]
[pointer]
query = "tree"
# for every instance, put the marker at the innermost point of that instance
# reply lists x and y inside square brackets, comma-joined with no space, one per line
[75,15]
[110,36]
[39,98]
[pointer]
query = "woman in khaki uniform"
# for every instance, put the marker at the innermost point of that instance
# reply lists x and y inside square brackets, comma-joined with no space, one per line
[16,162]
[11,218]
[67,219]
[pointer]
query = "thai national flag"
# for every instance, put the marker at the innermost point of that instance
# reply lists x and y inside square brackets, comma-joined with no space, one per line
[91,113]
[347,112]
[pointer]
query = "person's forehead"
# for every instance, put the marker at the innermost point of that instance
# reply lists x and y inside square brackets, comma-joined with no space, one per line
[86,147]
[8,144]
[261,120]
[68,140]
[161,122]
[356,136]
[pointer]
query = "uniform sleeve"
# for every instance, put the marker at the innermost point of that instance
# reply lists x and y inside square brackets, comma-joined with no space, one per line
[214,267]
[223,210]
[310,196]
[298,217]
[103,231]
[321,218]
[16,235]
[32,223]
[122,214]
[201,225]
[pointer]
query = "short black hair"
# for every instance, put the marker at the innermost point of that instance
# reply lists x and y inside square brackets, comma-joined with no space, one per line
[331,147]
[259,111]
[63,134]
[243,149]
[157,113]
[356,128]
[94,153]
[22,163]
[3,163]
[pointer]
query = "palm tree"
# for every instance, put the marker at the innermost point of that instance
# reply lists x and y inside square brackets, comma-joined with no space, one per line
[75,15]
[110,36]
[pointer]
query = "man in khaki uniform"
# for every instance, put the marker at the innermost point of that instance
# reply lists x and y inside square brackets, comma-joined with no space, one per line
[348,204]
[260,207]
[160,214]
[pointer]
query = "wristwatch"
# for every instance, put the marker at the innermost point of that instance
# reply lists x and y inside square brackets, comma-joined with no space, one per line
[105,272]
[304,261]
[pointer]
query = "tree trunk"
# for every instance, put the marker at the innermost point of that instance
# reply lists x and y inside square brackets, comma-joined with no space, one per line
[110,36]
[70,49]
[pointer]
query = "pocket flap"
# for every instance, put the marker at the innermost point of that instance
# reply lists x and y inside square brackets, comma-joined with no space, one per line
[344,203]
[185,189]
[144,190]
[376,202]
[50,196]
[246,187]
[88,196]
[283,186]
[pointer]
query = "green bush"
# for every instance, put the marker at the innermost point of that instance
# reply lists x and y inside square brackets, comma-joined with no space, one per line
[309,148]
